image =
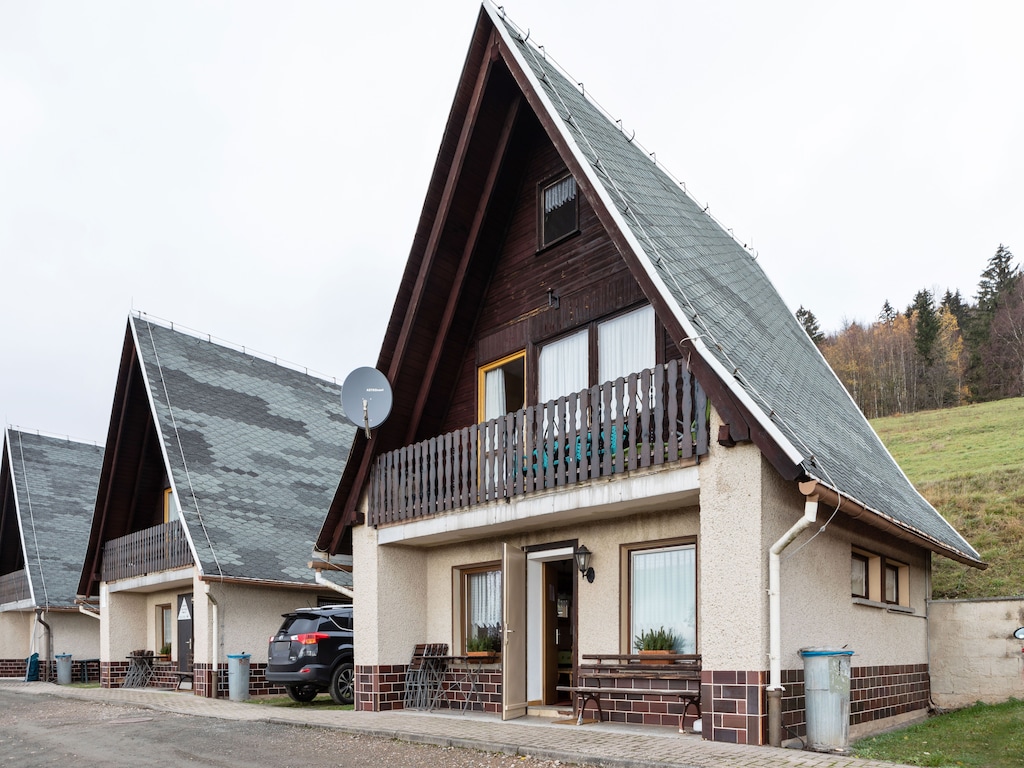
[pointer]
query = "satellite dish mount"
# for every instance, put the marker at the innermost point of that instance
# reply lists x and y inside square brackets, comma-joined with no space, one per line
[366,391]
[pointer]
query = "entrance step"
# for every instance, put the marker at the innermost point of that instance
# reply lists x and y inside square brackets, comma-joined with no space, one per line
[551,711]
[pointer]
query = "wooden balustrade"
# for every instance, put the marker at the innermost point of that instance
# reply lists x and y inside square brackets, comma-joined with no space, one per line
[643,420]
[150,550]
[14,587]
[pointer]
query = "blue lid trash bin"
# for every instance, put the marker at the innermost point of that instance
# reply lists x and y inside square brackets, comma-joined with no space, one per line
[238,676]
[827,696]
[32,668]
[63,668]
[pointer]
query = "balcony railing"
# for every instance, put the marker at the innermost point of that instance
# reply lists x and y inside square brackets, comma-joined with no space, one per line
[150,550]
[644,420]
[14,587]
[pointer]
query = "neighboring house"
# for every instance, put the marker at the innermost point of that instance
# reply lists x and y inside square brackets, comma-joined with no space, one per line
[553,255]
[218,469]
[47,492]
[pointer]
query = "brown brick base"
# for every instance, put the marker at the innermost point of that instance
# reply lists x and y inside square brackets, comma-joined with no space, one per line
[734,706]
[382,688]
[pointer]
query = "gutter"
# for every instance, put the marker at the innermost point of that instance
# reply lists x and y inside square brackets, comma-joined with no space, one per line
[89,612]
[775,688]
[322,580]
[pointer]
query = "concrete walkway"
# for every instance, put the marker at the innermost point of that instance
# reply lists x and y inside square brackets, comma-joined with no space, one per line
[603,744]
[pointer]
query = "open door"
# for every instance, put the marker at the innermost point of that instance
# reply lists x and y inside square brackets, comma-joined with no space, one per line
[513,650]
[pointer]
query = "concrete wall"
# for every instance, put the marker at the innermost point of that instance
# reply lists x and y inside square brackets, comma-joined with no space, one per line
[974,656]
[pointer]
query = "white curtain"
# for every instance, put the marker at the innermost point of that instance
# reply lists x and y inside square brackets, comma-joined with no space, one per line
[559,194]
[484,602]
[563,367]
[626,344]
[664,593]
[494,393]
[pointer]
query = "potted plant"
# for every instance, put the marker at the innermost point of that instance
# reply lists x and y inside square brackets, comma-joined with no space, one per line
[655,641]
[165,650]
[481,646]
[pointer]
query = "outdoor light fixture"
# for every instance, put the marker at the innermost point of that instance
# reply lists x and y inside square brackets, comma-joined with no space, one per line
[583,563]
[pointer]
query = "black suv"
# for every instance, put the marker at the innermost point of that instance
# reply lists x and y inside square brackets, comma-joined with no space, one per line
[312,653]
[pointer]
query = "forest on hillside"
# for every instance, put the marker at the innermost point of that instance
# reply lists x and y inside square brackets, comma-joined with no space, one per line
[938,352]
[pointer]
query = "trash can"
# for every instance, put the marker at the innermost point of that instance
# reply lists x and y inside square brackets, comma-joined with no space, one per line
[238,676]
[827,696]
[32,668]
[63,668]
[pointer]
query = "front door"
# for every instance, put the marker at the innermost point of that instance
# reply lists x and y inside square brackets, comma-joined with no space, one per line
[513,650]
[185,655]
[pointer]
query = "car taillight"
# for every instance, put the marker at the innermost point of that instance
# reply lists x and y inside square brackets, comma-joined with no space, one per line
[310,638]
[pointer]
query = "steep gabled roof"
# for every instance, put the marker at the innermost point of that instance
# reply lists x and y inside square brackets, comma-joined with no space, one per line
[47,505]
[252,449]
[750,353]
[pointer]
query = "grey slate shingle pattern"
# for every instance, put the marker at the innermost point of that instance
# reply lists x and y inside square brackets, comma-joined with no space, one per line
[724,292]
[55,481]
[255,452]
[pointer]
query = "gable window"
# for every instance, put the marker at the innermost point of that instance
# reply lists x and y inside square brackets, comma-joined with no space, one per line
[559,212]
[481,604]
[502,386]
[624,344]
[663,593]
[170,508]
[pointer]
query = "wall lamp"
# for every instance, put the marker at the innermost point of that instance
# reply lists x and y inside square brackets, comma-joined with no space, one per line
[583,556]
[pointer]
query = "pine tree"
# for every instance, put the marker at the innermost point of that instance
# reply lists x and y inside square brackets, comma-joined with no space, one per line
[955,303]
[997,282]
[926,326]
[810,324]
[998,278]
[888,314]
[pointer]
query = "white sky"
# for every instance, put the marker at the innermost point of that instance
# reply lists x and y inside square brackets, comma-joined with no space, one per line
[255,170]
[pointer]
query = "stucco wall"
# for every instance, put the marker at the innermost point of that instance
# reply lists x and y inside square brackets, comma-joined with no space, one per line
[75,633]
[974,656]
[15,634]
[123,625]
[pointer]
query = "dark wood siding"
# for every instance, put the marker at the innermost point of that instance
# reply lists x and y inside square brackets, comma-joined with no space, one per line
[585,272]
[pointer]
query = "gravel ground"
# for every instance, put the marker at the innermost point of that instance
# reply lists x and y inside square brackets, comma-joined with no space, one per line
[55,731]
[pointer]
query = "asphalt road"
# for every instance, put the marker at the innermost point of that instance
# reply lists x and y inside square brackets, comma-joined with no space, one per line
[54,731]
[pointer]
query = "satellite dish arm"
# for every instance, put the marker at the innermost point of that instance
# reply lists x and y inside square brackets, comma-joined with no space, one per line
[366,417]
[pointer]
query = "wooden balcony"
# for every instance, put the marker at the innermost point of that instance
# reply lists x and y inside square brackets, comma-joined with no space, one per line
[14,587]
[150,550]
[647,419]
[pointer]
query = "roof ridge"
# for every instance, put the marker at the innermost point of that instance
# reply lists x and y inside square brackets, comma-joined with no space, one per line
[52,435]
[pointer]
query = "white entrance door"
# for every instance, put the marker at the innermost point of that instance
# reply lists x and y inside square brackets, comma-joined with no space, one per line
[513,650]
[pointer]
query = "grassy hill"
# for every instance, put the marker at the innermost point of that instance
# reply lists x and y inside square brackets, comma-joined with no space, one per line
[969,463]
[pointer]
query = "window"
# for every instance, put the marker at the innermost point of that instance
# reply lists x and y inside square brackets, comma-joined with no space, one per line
[166,628]
[859,575]
[481,604]
[502,386]
[170,508]
[559,212]
[663,593]
[625,344]
[879,579]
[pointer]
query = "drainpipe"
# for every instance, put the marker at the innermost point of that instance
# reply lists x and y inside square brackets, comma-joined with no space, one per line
[775,688]
[49,640]
[214,686]
[322,580]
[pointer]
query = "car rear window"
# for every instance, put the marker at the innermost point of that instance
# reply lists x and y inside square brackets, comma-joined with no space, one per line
[297,625]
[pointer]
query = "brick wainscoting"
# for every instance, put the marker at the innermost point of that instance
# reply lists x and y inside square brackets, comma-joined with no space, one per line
[382,688]
[876,693]
[734,706]
[13,668]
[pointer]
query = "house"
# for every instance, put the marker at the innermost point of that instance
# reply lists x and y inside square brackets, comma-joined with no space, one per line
[47,492]
[583,360]
[218,469]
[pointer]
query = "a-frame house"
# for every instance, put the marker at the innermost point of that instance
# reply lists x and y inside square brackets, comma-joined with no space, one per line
[583,359]
[47,492]
[218,469]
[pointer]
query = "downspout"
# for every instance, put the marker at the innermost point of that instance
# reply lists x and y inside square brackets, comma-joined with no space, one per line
[49,640]
[214,685]
[775,688]
[323,581]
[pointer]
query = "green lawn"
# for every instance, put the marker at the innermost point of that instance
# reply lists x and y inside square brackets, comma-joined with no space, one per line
[982,736]
[968,463]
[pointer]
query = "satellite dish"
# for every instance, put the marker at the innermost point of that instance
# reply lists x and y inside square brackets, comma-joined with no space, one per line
[366,398]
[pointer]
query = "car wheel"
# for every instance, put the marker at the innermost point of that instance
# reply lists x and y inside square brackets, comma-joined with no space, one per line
[301,693]
[343,684]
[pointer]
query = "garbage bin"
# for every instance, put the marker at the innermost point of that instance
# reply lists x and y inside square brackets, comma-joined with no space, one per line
[827,696]
[63,669]
[32,668]
[238,676]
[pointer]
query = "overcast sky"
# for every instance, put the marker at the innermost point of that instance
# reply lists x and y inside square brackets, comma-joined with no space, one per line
[255,170]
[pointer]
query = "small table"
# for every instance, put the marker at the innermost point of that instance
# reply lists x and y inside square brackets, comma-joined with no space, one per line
[466,679]
[140,672]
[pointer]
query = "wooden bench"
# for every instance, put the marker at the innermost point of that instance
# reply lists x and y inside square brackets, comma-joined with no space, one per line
[621,674]
[182,677]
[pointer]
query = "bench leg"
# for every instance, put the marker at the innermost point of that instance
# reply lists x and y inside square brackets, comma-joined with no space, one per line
[583,699]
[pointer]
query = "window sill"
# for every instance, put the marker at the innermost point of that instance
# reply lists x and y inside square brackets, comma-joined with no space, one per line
[883,606]
[557,241]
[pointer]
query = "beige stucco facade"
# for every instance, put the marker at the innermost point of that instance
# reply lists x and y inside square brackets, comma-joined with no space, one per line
[974,655]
